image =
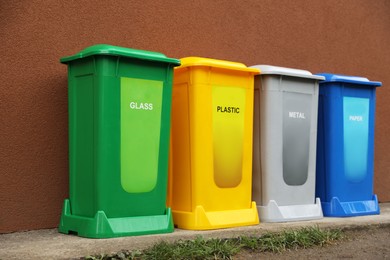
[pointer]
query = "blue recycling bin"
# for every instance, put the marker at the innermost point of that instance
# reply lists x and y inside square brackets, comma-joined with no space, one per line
[345,146]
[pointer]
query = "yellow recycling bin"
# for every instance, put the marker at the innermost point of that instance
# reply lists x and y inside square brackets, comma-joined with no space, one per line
[211,146]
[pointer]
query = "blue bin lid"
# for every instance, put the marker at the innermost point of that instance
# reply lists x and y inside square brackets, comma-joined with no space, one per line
[329,77]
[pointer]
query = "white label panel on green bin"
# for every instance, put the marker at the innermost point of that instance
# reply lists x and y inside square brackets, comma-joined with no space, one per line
[141,104]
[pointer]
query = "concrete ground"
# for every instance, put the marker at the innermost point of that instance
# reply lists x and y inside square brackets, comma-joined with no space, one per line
[49,244]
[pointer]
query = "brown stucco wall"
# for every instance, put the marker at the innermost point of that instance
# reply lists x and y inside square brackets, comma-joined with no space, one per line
[350,37]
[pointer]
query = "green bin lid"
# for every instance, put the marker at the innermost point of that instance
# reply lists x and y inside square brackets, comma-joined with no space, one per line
[110,50]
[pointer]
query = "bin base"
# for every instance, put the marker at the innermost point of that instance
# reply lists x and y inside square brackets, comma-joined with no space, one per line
[336,208]
[202,220]
[102,227]
[274,213]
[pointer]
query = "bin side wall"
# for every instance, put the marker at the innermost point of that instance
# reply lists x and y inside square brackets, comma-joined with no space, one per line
[345,37]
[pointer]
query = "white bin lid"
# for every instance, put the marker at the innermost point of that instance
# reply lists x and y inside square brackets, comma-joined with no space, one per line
[269,69]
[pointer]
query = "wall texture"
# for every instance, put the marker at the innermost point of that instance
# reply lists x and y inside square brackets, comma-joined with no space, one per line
[340,36]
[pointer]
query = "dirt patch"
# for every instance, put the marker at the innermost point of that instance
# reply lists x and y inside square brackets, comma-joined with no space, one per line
[359,243]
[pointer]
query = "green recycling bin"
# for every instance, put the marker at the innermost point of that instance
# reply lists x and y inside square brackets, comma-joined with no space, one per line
[119,125]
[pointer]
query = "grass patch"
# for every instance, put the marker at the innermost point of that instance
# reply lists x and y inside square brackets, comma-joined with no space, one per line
[217,248]
[291,239]
[199,248]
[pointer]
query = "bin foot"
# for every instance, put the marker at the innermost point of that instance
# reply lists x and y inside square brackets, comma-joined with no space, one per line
[202,220]
[337,208]
[275,213]
[102,227]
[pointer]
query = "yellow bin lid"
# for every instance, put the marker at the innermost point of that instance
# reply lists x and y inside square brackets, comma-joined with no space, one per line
[223,64]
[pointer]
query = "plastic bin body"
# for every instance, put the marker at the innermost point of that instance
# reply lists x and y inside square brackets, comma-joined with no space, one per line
[284,144]
[211,155]
[119,124]
[345,153]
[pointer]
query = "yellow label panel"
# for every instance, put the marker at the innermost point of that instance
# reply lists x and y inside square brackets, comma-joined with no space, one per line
[228,134]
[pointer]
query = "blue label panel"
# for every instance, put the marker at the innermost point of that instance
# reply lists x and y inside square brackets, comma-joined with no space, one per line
[356,122]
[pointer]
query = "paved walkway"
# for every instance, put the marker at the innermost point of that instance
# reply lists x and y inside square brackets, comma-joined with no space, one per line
[49,244]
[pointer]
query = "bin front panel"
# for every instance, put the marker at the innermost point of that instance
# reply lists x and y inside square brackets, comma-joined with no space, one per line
[113,187]
[285,139]
[346,143]
[212,142]
[222,157]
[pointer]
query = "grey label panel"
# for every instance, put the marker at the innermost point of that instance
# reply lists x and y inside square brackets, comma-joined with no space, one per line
[296,137]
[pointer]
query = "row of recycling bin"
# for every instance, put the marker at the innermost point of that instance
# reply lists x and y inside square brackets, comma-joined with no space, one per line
[203,144]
